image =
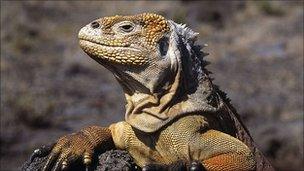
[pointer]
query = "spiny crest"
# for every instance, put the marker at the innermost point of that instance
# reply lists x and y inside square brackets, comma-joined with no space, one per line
[192,56]
[189,38]
[188,34]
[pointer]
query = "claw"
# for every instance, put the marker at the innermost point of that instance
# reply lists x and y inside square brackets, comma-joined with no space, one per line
[196,166]
[87,159]
[42,151]
[50,161]
[35,154]
[64,164]
[58,165]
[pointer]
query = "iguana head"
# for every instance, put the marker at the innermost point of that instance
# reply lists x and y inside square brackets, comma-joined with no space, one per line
[124,40]
[156,62]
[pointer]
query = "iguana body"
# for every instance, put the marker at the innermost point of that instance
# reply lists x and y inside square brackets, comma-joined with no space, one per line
[173,113]
[186,140]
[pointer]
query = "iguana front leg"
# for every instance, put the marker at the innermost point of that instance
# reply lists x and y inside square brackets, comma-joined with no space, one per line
[219,151]
[81,145]
[213,151]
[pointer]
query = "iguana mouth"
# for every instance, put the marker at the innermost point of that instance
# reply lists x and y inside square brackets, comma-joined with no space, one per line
[102,45]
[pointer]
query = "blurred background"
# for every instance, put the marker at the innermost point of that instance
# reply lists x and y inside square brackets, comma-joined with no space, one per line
[49,87]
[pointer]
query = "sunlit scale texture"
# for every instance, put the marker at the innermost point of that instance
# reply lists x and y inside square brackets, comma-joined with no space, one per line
[113,54]
[120,48]
[154,26]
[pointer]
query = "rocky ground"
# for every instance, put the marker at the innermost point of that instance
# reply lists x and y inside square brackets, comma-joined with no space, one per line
[49,87]
[110,160]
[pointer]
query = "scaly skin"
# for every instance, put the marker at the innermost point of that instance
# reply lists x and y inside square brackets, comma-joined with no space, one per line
[173,113]
[187,139]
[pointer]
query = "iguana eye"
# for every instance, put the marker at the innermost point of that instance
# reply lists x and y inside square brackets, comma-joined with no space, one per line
[127,27]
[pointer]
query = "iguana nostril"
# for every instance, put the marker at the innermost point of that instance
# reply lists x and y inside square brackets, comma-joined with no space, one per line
[95,25]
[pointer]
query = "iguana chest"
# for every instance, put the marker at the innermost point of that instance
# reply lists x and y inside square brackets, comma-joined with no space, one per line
[166,146]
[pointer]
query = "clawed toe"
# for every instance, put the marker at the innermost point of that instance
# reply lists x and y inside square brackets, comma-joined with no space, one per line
[61,160]
[154,167]
[50,161]
[87,158]
[64,165]
[196,166]
[42,151]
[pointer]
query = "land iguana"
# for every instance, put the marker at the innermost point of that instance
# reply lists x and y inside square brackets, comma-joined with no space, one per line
[174,113]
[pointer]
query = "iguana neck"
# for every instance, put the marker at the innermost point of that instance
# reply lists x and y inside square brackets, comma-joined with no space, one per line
[186,89]
[154,111]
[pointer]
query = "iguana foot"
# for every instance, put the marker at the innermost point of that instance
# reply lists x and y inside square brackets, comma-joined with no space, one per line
[68,149]
[80,147]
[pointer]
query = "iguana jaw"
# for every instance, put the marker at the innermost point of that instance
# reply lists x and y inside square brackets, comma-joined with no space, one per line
[116,54]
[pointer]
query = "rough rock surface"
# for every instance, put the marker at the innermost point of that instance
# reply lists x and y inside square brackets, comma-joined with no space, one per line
[110,160]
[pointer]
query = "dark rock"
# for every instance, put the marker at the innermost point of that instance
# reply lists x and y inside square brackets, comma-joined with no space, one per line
[116,160]
[110,160]
[34,165]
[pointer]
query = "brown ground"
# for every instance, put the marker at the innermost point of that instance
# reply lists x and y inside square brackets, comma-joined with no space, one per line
[49,87]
